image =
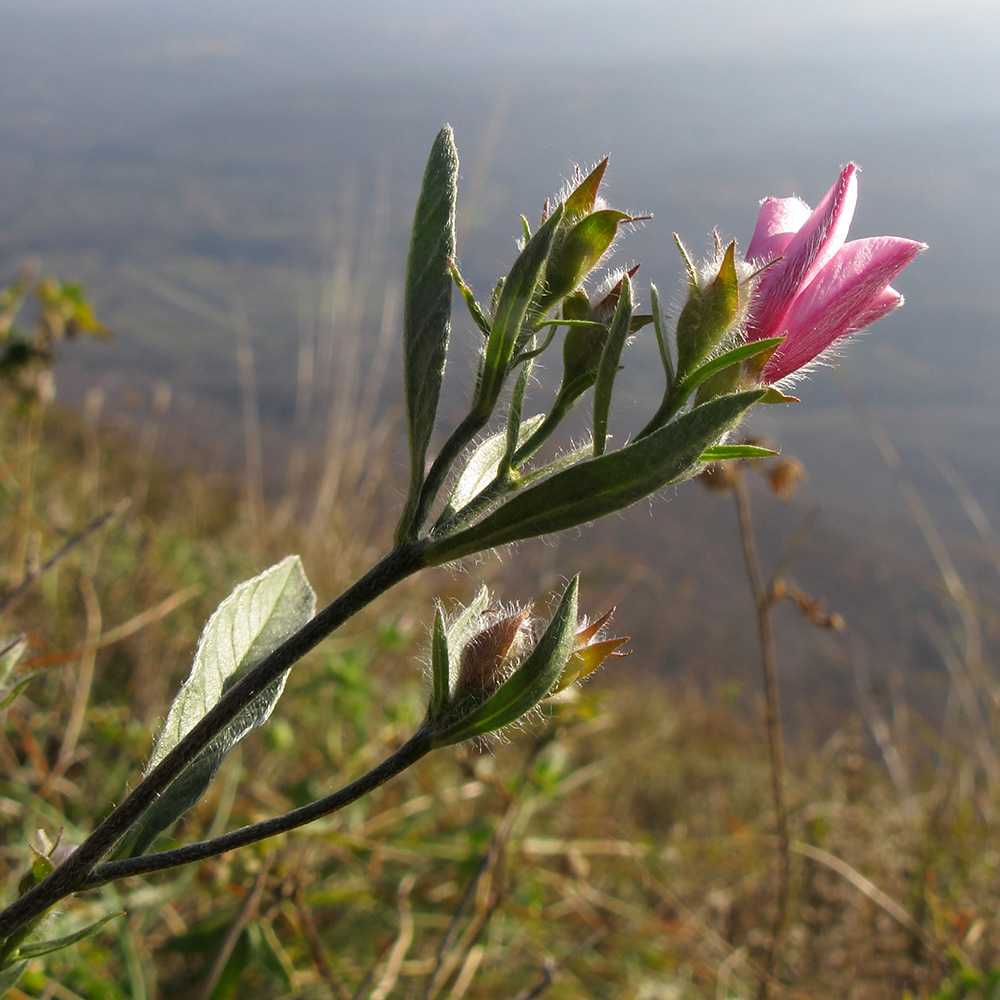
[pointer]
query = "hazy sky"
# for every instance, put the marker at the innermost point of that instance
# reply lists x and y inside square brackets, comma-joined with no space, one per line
[392,34]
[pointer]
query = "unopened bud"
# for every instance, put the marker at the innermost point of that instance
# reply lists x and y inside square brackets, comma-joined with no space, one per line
[490,652]
[709,315]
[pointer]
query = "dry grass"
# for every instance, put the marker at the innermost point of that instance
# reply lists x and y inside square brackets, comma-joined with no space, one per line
[625,850]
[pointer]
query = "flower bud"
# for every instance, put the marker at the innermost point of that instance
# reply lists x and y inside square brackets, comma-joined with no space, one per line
[584,345]
[586,233]
[486,660]
[711,312]
[488,676]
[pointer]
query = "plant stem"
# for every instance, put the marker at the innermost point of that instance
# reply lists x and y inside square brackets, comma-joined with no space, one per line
[72,875]
[409,753]
[772,725]
[473,423]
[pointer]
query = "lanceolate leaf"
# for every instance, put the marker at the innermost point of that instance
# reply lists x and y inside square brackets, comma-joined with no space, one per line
[246,627]
[34,949]
[9,976]
[515,300]
[427,307]
[608,368]
[603,484]
[737,354]
[721,452]
[440,664]
[485,461]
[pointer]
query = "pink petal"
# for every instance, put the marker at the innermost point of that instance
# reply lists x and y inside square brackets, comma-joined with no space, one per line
[850,292]
[819,238]
[779,220]
[883,304]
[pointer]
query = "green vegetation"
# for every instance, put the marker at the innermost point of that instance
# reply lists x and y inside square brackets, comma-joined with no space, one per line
[634,841]
[621,847]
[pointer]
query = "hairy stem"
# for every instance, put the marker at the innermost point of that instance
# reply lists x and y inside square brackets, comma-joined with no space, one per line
[72,875]
[409,753]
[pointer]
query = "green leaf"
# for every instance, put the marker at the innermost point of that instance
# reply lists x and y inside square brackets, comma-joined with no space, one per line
[9,976]
[516,299]
[440,665]
[608,368]
[722,452]
[471,303]
[11,655]
[269,953]
[427,309]
[529,684]
[736,355]
[482,467]
[661,340]
[601,485]
[11,652]
[516,430]
[239,959]
[37,948]
[249,624]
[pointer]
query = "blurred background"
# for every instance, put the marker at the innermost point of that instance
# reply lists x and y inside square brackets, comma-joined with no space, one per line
[234,182]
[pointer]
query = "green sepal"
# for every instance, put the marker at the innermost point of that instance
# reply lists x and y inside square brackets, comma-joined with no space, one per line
[583,347]
[608,368]
[517,299]
[723,452]
[475,309]
[603,484]
[440,666]
[774,395]
[575,309]
[533,680]
[461,631]
[723,361]
[661,336]
[689,265]
[708,315]
[578,252]
[427,310]
[583,197]
[515,433]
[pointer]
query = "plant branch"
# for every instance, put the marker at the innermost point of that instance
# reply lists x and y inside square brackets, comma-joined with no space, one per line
[409,753]
[72,875]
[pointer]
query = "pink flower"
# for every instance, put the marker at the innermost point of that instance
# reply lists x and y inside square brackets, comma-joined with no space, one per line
[820,288]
